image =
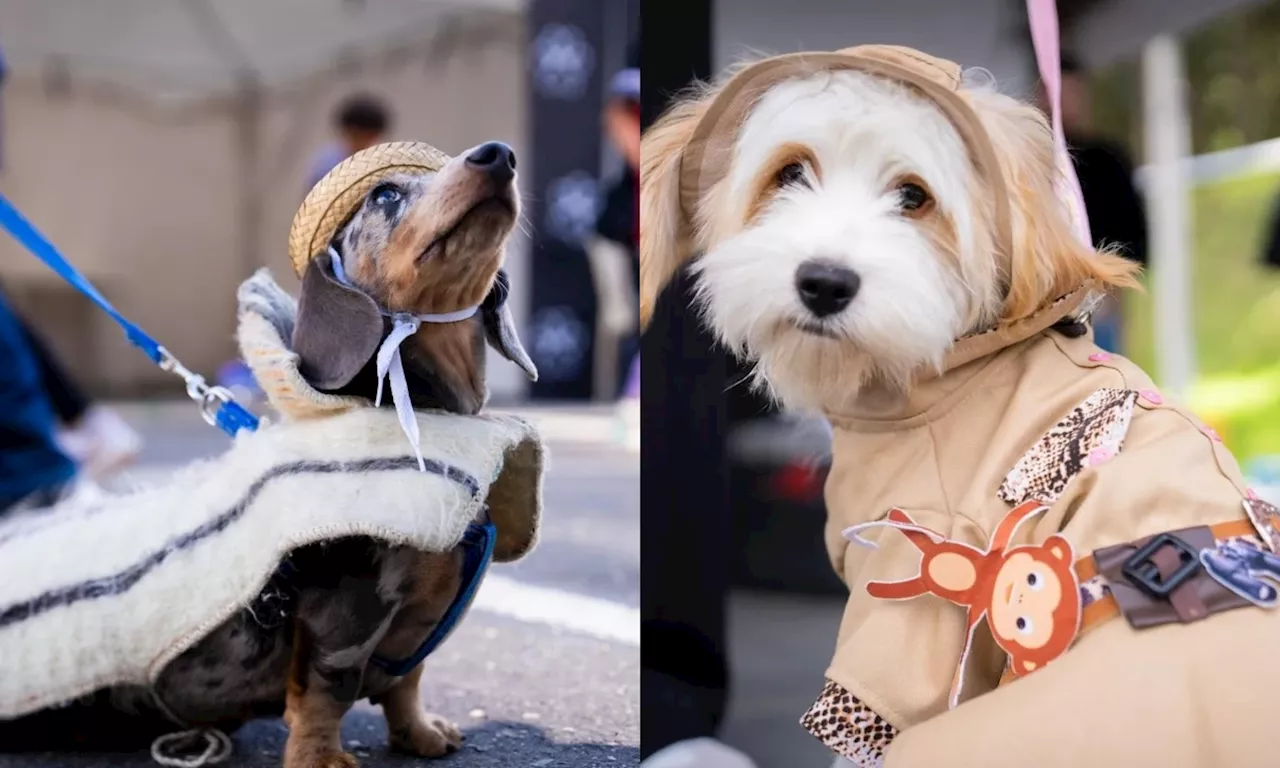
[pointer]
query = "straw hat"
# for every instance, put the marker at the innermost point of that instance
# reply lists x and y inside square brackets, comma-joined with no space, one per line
[337,196]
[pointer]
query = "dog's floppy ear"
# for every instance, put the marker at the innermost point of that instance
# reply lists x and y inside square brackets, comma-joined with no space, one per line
[666,237]
[500,326]
[338,329]
[1049,259]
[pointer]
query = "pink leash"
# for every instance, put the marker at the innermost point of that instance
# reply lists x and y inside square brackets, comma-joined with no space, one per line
[1042,16]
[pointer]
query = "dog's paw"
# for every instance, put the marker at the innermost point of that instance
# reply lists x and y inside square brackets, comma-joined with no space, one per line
[427,735]
[322,760]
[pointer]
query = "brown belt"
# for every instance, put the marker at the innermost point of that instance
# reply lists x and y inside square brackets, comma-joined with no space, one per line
[1107,607]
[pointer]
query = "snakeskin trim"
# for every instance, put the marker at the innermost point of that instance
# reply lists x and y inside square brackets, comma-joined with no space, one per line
[1093,590]
[1090,435]
[1266,520]
[848,727]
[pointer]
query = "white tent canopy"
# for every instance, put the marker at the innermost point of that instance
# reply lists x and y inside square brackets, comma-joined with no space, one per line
[178,51]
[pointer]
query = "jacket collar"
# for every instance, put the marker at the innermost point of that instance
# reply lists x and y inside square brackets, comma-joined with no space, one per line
[881,407]
[979,345]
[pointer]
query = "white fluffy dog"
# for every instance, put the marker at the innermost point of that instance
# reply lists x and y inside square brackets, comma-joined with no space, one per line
[850,235]
[884,239]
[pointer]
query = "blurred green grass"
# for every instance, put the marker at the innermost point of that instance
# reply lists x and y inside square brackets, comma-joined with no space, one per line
[1236,304]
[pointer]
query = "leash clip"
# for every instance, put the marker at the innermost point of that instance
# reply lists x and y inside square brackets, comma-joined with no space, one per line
[229,416]
[217,405]
[197,389]
[213,399]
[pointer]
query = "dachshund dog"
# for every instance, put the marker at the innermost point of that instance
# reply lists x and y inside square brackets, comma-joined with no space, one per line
[419,242]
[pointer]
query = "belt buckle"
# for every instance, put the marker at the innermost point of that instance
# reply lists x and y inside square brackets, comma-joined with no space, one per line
[1144,574]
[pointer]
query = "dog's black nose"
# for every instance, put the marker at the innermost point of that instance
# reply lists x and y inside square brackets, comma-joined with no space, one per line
[826,288]
[495,159]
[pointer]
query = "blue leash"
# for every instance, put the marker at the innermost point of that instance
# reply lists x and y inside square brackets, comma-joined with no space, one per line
[217,405]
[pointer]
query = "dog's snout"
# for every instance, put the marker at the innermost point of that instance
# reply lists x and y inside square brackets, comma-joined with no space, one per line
[495,159]
[826,289]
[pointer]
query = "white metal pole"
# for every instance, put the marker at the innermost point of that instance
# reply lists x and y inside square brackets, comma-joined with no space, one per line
[1167,131]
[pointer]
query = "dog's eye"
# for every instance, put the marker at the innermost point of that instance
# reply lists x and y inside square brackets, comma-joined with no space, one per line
[791,175]
[913,196]
[386,194]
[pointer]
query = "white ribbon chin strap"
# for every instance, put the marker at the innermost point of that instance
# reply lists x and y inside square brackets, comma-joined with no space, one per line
[403,325]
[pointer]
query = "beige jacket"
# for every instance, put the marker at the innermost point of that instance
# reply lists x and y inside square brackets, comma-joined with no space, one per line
[1126,465]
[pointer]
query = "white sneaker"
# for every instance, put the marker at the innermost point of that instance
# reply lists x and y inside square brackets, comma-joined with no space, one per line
[84,491]
[629,422]
[102,443]
[698,753]
[79,490]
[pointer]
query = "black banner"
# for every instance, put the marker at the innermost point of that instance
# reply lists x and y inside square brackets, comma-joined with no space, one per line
[566,98]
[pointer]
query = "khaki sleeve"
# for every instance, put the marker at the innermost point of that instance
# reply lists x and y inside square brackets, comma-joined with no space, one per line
[899,657]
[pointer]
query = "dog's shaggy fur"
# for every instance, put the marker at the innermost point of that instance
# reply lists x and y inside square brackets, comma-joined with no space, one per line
[820,174]
[419,243]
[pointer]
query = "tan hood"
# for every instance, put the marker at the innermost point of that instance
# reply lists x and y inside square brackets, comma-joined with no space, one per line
[707,156]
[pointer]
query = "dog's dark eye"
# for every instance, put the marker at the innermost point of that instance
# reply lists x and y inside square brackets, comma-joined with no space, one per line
[913,196]
[386,194]
[791,175]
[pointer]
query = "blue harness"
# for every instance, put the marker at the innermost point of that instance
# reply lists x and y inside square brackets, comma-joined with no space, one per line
[219,408]
[477,553]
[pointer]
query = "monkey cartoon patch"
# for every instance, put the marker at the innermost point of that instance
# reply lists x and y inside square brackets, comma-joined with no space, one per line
[1029,594]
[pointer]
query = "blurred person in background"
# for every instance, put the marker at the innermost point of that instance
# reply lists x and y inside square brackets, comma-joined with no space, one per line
[614,254]
[34,471]
[361,121]
[93,435]
[1271,254]
[4,70]
[1115,209]
[622,124]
